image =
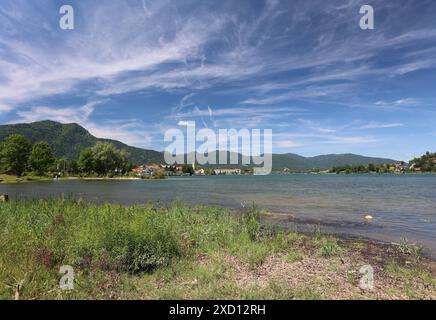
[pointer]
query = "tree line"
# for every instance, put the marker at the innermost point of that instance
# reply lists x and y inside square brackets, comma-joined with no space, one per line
[370,168]
[426,163]
[18,156]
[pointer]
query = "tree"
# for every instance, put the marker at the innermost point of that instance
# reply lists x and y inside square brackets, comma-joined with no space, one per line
[73,167]
[188,169]
[86,161]
[159,173]
[14,153]
[67,166]
[41,158]
[108,158]
[427,162]
[103,158]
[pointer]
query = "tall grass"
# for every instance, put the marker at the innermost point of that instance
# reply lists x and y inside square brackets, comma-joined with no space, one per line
[37,237]
[179,251]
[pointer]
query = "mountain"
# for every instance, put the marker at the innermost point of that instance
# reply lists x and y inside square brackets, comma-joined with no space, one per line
[67,140]
[323,162]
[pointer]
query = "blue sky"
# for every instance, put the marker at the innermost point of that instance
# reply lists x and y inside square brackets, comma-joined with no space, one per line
[132,69]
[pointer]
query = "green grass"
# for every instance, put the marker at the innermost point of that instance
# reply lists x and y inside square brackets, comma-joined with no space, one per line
[410,273]
[415,250]
[108,243]
[327,246]
[143,252]
[294,256]
[276,290]
[5,178]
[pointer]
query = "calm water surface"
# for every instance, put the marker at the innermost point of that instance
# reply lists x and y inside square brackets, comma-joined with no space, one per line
[402,205]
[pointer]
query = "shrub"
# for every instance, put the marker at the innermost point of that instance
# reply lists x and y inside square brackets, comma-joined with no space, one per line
[250,219]
[406,247]
[328,247]
[147,250]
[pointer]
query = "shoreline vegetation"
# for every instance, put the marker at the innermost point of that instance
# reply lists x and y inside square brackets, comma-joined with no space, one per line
[20,161]
[27,179]
[191,252]
[12,179]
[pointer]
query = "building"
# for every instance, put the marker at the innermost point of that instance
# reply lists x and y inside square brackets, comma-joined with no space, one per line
[199,172]
[145,170]
[401,166]
[227,171]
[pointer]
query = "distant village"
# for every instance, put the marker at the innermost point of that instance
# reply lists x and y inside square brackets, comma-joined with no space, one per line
[185,170]
[152,170]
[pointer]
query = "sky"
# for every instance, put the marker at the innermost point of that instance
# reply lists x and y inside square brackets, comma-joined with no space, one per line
[130,70]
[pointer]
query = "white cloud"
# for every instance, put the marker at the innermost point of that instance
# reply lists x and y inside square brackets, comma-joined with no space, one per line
[398,103]
[350,140]
[64,115]
[4,108]
[376,125]
[325,130]
[183,123]
[229,112]
[169,51]
[286,144]
[92,54]
[184,102]
[130,132]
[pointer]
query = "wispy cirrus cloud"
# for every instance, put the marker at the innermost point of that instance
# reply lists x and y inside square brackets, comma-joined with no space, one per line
[171,51]
[286,144]
[65,115]
[221,112]
[130,131]
[376,125]
[221,63]
[398,103]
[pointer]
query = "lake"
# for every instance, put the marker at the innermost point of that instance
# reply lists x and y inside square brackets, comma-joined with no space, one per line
[402,205]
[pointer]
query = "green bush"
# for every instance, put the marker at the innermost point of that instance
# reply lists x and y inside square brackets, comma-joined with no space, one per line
[133,239]
[250,219]
[328,247]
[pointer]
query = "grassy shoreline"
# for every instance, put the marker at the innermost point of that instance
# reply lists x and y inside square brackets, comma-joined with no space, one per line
[5,179]
[186,252]
[10,179]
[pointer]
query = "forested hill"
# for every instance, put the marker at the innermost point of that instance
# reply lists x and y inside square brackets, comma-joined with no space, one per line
[67,140]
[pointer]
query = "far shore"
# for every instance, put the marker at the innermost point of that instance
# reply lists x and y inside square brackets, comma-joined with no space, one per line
[28,179]
[100,178]
[4,178]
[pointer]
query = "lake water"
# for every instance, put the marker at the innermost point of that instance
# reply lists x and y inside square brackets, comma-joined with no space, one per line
[402,205]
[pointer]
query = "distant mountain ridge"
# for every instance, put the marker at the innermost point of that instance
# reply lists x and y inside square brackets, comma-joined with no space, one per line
[67,140]
[323,162]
